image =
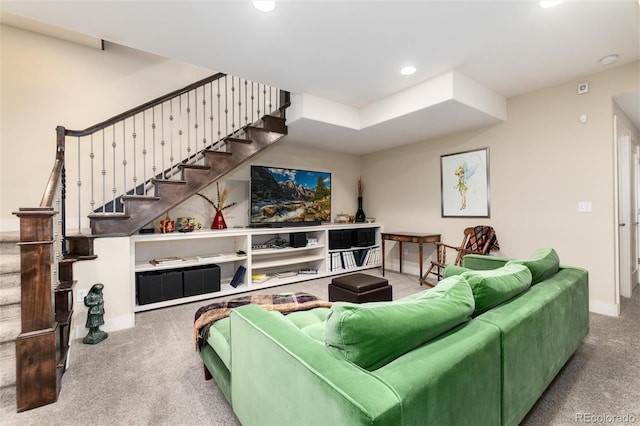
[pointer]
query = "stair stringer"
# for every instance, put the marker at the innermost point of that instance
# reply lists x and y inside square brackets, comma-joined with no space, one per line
[139,210]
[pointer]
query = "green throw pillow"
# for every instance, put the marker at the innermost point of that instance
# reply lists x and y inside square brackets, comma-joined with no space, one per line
[373,334]
[493,287]
[451,270]
[543,263]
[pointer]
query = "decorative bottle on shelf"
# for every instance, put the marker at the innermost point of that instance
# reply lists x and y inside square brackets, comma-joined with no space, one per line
[360,216]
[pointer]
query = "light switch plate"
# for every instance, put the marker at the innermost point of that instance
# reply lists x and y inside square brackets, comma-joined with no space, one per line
[584,206]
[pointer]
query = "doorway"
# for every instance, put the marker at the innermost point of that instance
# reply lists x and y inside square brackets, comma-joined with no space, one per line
[628,158]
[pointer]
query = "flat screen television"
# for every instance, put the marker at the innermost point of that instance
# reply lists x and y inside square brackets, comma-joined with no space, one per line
[289,197]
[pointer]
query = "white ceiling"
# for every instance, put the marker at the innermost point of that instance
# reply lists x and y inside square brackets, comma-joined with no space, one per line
[350,52]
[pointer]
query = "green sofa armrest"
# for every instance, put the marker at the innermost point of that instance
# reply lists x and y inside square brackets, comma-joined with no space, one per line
[453,379]
[540,329]
[481,262]
[282,376]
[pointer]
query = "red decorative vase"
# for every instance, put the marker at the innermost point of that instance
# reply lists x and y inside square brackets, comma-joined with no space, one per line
[218,222]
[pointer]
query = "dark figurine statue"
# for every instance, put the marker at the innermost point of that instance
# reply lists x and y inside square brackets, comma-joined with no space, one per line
[95,316]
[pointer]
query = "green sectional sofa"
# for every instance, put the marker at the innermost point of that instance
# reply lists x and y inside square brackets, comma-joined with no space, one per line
[478,349]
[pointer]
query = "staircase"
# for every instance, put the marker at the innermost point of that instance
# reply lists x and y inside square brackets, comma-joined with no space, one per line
[202,131]
[139,210]
[9,317]
[139,164]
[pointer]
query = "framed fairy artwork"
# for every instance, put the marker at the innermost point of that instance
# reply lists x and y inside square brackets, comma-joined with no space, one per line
[464,178]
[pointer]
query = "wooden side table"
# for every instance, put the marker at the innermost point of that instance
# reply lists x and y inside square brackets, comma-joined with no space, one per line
[409,237]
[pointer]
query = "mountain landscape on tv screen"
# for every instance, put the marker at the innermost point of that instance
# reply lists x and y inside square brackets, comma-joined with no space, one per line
[287,195]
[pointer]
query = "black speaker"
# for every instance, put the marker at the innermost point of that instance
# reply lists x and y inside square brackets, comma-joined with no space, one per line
[364,237]
[339,239]
[298,239]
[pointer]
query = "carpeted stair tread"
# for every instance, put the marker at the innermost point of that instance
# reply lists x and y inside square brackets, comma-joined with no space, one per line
[10,329]
[7,364]
[10,312]
[9,248]
[10,280]
[7,400]
[9,242]
[10,320]
[9,263]
[10,324]
[9,295]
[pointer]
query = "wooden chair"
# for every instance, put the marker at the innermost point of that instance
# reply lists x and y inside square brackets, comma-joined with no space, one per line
[477,240]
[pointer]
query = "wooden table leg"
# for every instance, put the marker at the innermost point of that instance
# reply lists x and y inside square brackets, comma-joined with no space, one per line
[383,258]
[420,251]
[407,237]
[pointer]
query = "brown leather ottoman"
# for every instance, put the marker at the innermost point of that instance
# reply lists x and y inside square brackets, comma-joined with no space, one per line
[359,288]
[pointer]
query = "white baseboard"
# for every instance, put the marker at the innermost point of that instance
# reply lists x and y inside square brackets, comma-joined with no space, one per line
[603,308]
[111,324]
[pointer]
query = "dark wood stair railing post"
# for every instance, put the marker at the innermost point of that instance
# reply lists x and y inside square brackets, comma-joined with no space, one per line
[37,378]
[43,344]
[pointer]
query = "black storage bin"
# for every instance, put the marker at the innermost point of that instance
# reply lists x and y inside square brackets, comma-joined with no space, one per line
[339,239]
[201,279]
[364,237]
[158,286]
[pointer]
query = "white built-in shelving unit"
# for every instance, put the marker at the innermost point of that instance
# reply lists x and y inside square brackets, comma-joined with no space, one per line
[262,251]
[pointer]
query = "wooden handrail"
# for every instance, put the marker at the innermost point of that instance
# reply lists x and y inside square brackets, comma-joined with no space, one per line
[143,107]
[61,132]
[58,165]
[57,177]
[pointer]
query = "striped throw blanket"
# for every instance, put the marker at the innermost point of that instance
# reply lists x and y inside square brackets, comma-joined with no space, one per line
[285,303]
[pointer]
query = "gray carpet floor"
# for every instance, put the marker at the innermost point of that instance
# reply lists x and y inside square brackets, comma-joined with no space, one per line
[151,374]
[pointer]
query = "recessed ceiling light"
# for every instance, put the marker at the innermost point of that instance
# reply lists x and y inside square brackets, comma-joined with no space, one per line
[408,70]
[609,59]
[549,3]
[264,6]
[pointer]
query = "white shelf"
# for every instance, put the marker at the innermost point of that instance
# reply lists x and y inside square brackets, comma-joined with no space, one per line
[189,262]
[194,235]
[274,281]
[265,264]
[284,251]
[354,248]
[356,269]
[227,243]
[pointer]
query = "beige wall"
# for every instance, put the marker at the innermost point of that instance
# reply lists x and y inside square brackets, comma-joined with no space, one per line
[46,82]
[543,161]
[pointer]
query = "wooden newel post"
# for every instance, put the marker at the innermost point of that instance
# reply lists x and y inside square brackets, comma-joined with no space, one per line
[37,381]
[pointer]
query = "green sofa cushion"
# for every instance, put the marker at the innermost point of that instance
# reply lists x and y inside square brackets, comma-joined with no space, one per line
[219,337]
[312,322]
[543,263]
[493,287]
[373,334]
[451,270]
